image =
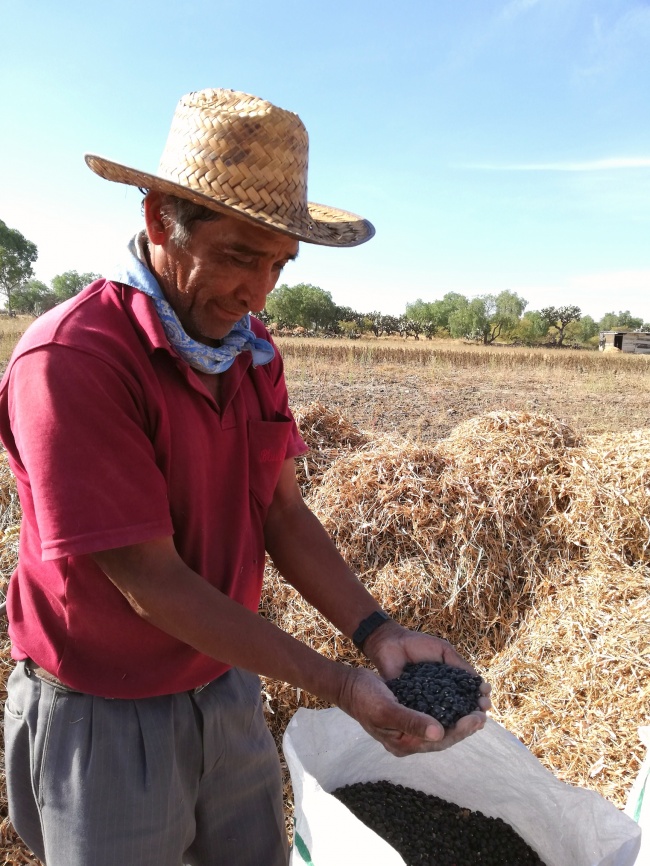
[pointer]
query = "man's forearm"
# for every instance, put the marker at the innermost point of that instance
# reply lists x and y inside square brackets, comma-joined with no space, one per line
[307,558]
[168,594]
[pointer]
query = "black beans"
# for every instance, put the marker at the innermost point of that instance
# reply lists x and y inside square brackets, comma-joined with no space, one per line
[438,689]
[428,831]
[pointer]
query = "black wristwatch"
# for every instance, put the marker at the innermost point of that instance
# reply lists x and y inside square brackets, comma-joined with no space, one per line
[367,626]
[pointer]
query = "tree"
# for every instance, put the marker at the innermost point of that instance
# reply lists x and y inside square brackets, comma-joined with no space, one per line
[303,306]
[17,255]
[532,327]
[434,315]
[587,329]
[558,318]
[469,319]
[423,314]
[409,327]
[70,283]
[33,298]
[487,317]
[621,320]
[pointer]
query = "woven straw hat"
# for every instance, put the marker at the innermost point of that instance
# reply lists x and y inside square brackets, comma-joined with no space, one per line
[243,156]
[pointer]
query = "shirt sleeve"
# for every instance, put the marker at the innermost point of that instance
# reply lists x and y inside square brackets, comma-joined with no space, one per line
[82,453]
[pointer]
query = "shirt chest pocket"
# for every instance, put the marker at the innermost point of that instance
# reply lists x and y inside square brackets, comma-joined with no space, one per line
[267,448]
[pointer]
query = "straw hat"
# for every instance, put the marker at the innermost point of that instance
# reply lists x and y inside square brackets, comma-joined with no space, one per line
[243,156]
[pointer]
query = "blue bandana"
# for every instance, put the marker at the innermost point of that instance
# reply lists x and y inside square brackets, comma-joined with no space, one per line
[207,359]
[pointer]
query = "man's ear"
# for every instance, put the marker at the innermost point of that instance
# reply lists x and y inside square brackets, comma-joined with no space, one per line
[157,231]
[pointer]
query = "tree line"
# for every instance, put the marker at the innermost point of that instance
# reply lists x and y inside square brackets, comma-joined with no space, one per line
[310,310]
[485,319]
[23,293]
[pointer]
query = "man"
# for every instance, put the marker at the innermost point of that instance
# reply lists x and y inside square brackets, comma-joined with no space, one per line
[147,423]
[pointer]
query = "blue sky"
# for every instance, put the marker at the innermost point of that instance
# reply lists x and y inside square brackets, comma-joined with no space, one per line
[495,144]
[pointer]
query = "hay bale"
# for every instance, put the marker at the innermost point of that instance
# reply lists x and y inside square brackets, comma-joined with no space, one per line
[574,684]
[608,492]
[489,539]
[328,434]
[477,511]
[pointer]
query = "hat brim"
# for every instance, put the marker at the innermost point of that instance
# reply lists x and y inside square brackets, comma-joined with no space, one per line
[323,225]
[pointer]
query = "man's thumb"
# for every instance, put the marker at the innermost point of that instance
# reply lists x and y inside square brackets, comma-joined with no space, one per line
[420,725]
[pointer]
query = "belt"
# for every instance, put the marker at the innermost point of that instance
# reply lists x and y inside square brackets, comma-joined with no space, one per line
[34,670]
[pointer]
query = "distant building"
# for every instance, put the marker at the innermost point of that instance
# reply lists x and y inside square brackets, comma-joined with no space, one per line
[636,342]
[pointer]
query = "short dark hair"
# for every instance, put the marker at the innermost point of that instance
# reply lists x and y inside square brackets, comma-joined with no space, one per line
[181,214]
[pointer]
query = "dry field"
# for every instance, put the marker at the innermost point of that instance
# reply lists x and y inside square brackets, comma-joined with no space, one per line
[498,497]
[424,389]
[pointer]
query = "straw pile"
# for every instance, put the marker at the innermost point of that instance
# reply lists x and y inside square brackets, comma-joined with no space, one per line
[477,513]
[327,434]
[527,548]
[522,543]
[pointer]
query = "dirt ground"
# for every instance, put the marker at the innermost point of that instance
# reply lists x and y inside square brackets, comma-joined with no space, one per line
[427,402]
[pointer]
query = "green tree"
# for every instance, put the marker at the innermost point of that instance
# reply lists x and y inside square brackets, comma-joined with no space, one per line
[420,311]
[70,283]
[487,317]
[434,315]
[423,313]
[441,310]
[620,321]
[532,327]
[17,256]
[468,319]
[33,298]
[303,305]
[558,318]
[587,329]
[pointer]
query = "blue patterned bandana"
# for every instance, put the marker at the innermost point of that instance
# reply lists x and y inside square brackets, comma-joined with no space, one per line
[207,359]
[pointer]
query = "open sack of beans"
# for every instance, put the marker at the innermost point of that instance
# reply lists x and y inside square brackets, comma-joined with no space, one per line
[486,800]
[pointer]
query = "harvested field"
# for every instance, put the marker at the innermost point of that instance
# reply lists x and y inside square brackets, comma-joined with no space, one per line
[425,389]
[518,533]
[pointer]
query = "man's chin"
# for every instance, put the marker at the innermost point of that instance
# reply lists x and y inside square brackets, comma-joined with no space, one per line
[214,335]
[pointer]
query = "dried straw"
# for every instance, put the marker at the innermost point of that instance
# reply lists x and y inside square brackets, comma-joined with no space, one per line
[574,685]
[328,434]
[476,511]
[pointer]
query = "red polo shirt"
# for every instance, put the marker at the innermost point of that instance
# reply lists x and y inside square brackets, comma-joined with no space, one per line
[114,441]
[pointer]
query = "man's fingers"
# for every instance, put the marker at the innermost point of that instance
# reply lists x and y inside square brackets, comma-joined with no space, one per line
[409,723]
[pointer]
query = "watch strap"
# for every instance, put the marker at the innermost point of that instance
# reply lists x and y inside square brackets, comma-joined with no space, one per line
[367,626]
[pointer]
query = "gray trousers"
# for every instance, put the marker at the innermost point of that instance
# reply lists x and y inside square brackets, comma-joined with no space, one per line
[191,778]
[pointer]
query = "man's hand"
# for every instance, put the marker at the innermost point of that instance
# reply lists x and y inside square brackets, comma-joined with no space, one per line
[400,730]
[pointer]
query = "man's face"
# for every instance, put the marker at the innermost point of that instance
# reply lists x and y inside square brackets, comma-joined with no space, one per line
[227,270]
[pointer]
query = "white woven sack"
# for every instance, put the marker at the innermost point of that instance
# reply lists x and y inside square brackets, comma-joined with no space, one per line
[490,771]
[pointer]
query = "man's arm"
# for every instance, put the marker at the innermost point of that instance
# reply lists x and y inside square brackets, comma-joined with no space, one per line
[168,594]
[163,590]
[305,555]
